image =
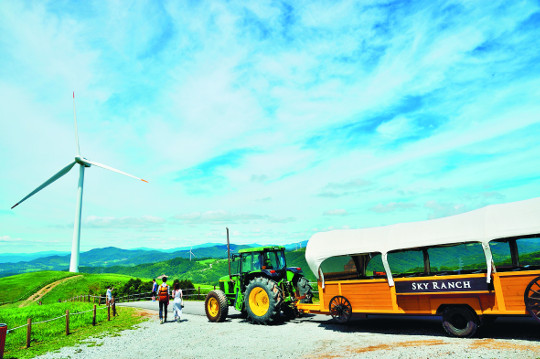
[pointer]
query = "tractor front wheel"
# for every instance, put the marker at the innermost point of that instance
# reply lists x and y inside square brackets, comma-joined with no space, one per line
[216,306]
[263,300]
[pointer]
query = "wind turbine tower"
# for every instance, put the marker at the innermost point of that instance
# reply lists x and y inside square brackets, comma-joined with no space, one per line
[191,254]
[83,163]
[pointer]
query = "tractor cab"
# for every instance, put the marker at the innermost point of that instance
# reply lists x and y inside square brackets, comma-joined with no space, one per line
[262,261]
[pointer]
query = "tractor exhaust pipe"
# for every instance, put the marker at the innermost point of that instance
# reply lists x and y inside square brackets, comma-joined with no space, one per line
[228,252]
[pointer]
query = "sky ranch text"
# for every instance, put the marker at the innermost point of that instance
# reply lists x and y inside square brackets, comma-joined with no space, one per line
[464,284]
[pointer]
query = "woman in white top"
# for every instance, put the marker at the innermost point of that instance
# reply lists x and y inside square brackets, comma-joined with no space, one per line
[177,301]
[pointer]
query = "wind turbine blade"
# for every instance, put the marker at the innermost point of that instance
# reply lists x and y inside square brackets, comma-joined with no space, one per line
[113,169]
[60,173]
[76,130]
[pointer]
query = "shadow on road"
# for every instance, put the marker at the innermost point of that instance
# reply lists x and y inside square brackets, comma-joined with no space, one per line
[522,328]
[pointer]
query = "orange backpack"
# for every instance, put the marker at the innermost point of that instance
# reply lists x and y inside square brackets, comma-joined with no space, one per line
[163,293]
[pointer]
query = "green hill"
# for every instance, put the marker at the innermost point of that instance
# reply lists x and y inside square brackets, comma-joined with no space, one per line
[21,286]
[204,271]
[86,283]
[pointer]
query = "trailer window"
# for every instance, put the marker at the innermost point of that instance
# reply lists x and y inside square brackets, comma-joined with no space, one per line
[339,268]
[375,266]
[529,251]
[457,259]
[502,257]
[516,253]
[406,263]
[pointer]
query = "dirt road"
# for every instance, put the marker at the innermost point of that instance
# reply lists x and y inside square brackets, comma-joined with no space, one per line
[40,293]
[313,336]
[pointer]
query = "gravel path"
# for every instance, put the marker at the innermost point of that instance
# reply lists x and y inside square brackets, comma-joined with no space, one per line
[314,336]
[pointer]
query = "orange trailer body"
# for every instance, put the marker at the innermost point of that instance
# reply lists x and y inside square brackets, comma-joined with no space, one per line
[374,296]
[469,268]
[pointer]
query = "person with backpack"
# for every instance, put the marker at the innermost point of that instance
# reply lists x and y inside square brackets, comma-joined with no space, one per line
[163,294]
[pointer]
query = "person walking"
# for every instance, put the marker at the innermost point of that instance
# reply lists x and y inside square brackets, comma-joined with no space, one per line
[108,296]
[163,294]
[154,289]
[178,301]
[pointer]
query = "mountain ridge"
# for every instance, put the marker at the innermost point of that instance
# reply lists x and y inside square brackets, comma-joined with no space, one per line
[114,256]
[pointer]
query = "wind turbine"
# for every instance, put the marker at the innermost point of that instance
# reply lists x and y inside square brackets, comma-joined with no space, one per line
[191,254]
[83,162]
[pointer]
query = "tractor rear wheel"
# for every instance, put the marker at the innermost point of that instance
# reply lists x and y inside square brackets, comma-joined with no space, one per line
[263,300]
[216,306]
[304,290]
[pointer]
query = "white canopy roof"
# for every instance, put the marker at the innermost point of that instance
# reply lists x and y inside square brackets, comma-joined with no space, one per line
[481,225]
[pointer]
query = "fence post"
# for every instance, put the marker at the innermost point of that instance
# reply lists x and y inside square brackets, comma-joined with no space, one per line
[28,332]
[109,313]
[67,321]
[94,318]
[114,309]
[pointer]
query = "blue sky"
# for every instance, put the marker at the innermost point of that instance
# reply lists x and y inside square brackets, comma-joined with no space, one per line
[276,119]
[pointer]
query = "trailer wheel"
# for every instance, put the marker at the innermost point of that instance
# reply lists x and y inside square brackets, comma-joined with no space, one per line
[532,298]
[340,309]
[460,321]
[216,306]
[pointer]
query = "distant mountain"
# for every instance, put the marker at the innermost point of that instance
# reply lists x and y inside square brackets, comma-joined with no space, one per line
[294,246]
[204,272]
[18,257]
[112,256]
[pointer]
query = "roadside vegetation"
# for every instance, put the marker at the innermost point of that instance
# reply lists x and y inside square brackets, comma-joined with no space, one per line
[51,336]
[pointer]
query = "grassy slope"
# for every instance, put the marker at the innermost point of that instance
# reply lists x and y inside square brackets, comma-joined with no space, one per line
[95,284]
[21,286]
[51,336]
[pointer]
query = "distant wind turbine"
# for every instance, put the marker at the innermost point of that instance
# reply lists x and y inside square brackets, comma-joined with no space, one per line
[83,162]
[191,254]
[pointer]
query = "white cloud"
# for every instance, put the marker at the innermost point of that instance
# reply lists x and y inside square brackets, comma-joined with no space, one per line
[336,212]
[9,239]
[123,222]
[224,217]
[397,128]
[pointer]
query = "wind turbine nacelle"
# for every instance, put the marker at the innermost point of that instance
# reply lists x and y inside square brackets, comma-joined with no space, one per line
[82,161]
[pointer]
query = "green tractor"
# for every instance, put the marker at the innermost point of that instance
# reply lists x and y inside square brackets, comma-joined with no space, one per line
[261,287]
